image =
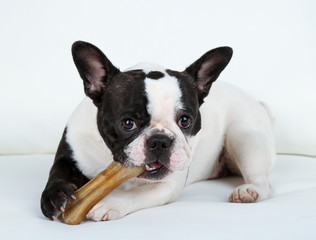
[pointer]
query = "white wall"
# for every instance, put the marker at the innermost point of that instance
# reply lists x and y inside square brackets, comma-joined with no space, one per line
[274,58]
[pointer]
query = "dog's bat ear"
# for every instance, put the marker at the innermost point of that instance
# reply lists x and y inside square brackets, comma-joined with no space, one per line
[207,69]
[94,69]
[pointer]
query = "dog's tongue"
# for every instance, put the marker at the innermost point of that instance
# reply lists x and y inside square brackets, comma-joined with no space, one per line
[154,165]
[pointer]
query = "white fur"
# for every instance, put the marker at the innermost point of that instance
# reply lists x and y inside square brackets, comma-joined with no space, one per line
[163,99]
[230,119]
[88,147]
[136,151]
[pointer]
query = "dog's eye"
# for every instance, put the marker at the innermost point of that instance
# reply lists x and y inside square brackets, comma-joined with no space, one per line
[128,124]
[184,122]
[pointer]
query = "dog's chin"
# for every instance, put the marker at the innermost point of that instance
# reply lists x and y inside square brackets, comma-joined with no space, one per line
[155,171]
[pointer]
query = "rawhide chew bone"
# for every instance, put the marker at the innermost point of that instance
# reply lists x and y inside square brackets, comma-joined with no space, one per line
[96,189]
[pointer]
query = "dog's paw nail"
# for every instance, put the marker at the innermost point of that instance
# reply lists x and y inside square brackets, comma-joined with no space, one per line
[54,218]
[62,209]
[73,197]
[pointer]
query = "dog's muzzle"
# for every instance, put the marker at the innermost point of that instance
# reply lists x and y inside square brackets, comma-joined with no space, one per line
[158,147]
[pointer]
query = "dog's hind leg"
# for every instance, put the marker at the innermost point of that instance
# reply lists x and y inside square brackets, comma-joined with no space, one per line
[253,152]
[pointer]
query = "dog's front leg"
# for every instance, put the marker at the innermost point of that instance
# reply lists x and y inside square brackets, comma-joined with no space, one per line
[122,202]
[64,179]
[252,150]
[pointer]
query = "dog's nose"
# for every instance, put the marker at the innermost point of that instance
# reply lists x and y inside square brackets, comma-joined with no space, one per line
[159,143]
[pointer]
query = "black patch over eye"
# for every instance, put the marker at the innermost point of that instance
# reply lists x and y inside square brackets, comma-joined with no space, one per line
[184,122]
[128,124]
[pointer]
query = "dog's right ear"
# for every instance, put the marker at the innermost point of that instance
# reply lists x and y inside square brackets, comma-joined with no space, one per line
[94,69]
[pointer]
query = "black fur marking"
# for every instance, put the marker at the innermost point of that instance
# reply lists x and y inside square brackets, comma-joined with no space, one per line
[190,101]
[124,98]
[64,179]
[155,75]
[137,75]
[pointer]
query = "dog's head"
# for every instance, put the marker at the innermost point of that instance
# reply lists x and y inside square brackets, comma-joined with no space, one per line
[148,115]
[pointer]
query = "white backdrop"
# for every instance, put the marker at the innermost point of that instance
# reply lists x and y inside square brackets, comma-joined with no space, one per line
[274,58]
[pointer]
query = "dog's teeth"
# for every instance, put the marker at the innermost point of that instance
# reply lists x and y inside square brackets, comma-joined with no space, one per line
[149,168]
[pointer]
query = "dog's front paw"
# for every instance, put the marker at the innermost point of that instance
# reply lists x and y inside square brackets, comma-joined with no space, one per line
[244,194]
[55,196]
[107,209]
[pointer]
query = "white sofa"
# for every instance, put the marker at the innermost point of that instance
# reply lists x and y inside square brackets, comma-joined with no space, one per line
[274,60]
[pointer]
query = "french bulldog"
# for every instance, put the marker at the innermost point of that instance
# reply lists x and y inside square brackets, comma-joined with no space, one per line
[168,121]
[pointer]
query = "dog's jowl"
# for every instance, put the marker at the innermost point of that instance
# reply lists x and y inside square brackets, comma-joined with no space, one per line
[181,125]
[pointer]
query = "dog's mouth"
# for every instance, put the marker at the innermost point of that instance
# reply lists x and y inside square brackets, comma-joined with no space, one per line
[154,171]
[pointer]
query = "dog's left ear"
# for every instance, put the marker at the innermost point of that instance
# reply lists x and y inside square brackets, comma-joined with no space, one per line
[207,69]
[94,68]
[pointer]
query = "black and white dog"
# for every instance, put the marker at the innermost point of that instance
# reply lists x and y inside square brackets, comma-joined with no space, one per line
[166,120]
